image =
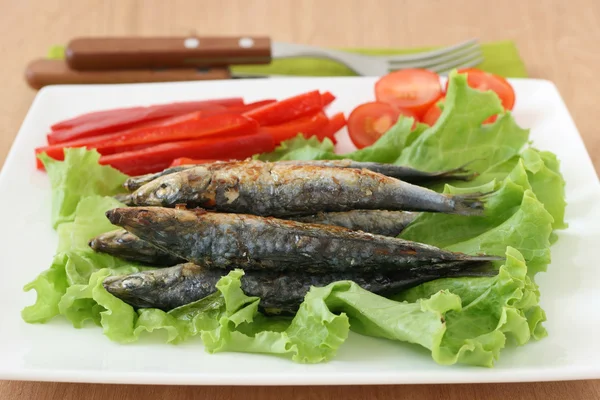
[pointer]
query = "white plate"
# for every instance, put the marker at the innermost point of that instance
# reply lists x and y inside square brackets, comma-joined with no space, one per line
[58,352]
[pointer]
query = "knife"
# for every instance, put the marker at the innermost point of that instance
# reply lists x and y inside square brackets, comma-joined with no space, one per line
[119,53]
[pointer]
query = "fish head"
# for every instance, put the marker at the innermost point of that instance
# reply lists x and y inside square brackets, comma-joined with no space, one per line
[182,187]
[164,191]
[140,289]
[107,240]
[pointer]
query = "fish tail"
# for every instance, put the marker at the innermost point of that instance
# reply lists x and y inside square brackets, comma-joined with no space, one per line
[460,173]
[482,269]
[469,204]
[485,259]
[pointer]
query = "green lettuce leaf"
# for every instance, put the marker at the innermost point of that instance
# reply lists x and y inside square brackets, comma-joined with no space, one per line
[513,217]
[386,150]
[493,310]
[300,148]
[78,176]
[458,137]
[74,262]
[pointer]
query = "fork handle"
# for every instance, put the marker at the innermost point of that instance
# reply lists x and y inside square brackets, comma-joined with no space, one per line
[183,52]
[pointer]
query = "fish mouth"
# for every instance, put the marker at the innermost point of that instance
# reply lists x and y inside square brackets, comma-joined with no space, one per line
[114,216]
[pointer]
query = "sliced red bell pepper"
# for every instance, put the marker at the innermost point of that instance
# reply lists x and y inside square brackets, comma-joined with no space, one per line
[159,157]
[184,127]
[337,122]
[308,126]
[124,121]
[327,98]
[169,109]
[191,161]
[288,109]
[239,109]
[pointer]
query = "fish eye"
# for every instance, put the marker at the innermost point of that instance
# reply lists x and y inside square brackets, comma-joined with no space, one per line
[163,190]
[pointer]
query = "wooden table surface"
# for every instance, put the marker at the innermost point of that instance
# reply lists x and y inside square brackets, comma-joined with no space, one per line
[558,40]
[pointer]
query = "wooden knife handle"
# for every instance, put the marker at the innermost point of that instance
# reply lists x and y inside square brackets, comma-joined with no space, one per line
[40,73]
[137,53]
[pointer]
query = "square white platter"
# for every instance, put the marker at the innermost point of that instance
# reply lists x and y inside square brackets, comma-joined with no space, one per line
[57,352]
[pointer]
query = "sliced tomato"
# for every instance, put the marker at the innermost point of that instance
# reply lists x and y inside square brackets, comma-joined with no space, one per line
[414,90]
[482,80]
[433,113]
[369,121]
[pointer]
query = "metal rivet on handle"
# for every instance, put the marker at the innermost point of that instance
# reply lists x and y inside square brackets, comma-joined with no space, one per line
[246,42]
[191,43]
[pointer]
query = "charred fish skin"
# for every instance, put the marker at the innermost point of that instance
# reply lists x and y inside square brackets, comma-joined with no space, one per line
[222,240]
[401,172]
[269,189]
[378,222]
[127,246]
[182,284]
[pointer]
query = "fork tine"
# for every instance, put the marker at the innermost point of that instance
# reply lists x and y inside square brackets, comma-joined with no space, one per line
[462,62]
[432,53]
[469,64]
[432,62]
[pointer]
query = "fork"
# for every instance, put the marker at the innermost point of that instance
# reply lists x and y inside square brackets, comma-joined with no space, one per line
[442,61]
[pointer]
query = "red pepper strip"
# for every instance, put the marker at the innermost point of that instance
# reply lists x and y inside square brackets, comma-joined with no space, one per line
[214,110]
[288,109]
[119,122]
[308,126]
[184,127]
[191,161]
[170,109]
[239,109]
[56,151]
[159,157]
[327,98]
[337,122]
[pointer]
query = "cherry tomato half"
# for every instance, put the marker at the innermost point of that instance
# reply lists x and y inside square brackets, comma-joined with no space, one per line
[410,89]
[369,121]
[482,80]
[433,113]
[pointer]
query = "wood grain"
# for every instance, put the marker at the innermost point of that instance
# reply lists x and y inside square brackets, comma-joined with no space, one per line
[558,40]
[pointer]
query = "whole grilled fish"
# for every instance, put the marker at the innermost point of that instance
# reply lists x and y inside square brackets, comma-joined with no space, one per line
[125,245]
[272,189]
[169,288]
[221,240]
[378,222]
[403,173]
